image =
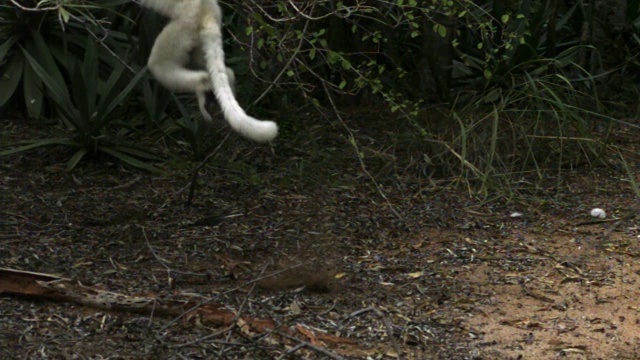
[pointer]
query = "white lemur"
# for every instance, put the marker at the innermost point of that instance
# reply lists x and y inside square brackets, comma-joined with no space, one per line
[195,30]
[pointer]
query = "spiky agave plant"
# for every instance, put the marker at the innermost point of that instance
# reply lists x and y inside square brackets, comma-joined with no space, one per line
[68,71]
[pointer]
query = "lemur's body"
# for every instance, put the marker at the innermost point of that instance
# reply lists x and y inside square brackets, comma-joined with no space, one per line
[195,27]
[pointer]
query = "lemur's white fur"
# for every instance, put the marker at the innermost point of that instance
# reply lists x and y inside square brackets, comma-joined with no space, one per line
[195,29]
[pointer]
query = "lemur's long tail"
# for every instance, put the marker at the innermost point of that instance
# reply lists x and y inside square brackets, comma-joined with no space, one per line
[251,128]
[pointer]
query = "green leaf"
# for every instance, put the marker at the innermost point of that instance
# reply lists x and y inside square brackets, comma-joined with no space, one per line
[75,159]
[33,92]
[59,94]
[440,29]
[6,46]
[64,14]
[90,71]
[130,160]
[156,100]
[346,64]
[137,152]
[40,143]
[112,103]
[79,95]
[332,57]
[110,89]
[11,78]
[45,58]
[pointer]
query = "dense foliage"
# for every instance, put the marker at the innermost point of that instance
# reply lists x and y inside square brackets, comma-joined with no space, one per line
[480,83]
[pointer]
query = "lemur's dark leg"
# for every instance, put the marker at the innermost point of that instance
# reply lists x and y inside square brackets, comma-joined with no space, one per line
[210,103]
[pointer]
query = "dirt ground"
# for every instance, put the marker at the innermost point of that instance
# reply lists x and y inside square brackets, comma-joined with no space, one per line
[300,235]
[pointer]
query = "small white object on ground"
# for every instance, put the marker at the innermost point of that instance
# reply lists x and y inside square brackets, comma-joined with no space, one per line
[598,213]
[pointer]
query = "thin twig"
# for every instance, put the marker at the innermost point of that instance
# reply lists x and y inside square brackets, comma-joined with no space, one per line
[387,325]
[354,143]
[194,176]
[37,8]
[286,66]
[163,262]
[306,344]
[244,301]
[208,300]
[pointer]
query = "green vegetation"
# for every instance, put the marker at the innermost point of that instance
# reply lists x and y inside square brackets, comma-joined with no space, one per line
[487,92]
